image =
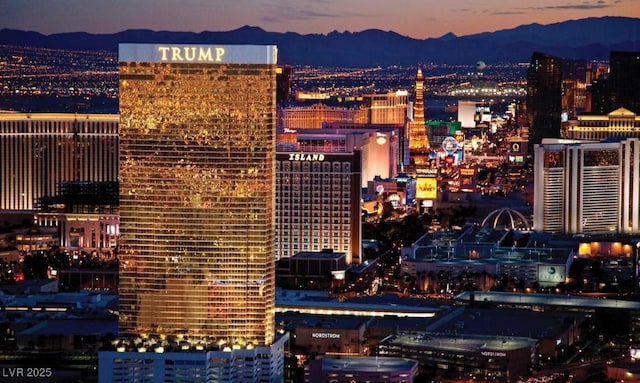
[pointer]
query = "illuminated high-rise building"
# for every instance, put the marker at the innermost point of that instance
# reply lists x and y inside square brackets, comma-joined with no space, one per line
[386,108]
[587,186]
[314,116]
[318,201]
[197,215]
[375,109]
[38,151]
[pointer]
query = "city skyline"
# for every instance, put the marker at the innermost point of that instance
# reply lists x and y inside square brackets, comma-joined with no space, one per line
[409,17]
[197,288]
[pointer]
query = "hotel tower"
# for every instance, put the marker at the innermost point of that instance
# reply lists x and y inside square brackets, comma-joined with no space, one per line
[544,97]
[40,151]
[197,196]
[587,187]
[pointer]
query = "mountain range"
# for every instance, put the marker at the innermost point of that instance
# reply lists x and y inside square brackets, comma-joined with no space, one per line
[590,39]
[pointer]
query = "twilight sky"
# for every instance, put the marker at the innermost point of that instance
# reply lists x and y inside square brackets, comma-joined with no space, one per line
[415,18]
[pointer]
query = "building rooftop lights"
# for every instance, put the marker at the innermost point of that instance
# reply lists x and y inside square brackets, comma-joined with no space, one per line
[171,343]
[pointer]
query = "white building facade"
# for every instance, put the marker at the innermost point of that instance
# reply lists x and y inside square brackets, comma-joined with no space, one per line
[587,186]
[261,364]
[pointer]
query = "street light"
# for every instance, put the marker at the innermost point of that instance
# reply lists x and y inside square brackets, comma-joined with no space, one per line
[635,267]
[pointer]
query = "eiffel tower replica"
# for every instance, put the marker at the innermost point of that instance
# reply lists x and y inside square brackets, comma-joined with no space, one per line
[419,146]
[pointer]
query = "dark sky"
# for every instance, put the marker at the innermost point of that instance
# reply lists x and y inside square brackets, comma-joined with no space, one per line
[415,18]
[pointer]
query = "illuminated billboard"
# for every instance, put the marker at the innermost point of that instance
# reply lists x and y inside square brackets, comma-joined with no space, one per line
[427,188]
[468,179]
[551,274]
[450,145]
[515,147]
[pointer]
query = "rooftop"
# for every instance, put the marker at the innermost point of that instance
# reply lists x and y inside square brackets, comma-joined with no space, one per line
[324,254]
[73,326]
[291,320]
[315,302]
[459,343]
[368,364]
[570,301]
[511,322]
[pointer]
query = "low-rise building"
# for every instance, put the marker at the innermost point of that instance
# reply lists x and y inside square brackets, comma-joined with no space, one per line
[464,356]
[619,123]
[155,360]
[322,269]
[479,256]
[318,334]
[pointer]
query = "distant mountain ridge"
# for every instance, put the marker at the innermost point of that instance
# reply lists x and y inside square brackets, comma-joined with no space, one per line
[590,38]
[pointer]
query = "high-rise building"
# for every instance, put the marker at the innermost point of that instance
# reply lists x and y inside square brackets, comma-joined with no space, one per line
[386,108]
[284,74]
[375,109]
[38,151]
[574,90]
[318,203]
[587,187]
[624,75]
[617,86]
[197,215]
[597,89]
[314,116]
[544,97]
[599,99]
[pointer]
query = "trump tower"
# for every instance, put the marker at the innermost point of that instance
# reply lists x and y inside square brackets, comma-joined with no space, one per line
[197,200]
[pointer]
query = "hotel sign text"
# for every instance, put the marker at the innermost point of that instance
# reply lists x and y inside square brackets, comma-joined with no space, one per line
[191,53]
[306,157]
[198,53]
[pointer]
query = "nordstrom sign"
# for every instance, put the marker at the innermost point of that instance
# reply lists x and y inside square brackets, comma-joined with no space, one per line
[325,335]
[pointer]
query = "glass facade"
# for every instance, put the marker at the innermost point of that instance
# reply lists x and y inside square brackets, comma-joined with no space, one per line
[197,192]
[544,97]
